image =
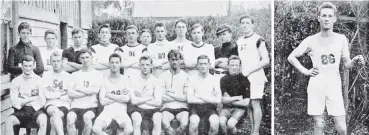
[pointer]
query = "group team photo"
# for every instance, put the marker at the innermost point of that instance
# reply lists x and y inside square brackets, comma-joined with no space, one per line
[147,85]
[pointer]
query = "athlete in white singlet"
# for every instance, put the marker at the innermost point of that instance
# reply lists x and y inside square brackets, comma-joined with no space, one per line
[114,96]
[326,50]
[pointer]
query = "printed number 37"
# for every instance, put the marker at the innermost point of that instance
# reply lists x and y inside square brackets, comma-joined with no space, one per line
[326,59]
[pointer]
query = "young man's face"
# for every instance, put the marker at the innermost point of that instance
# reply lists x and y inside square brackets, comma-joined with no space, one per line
[246,25]
[145,66]
[132,35]
[203,65]
[327,18]
[28,66]
[181,29]
[145,38]
[197,35]
[225,37]
[78,39]
[160,33]
[114,64]
[56,63]
[86,59]
[50,40]
[174,62]
[234,67]
[105,35]
[24,35]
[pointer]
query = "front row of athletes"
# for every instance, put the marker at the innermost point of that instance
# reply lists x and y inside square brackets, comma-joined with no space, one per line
[71,100]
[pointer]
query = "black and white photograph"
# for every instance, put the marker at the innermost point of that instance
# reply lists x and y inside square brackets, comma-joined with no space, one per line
[155,67]
[321,68]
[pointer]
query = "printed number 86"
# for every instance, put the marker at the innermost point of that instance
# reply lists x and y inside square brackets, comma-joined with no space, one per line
[326,59]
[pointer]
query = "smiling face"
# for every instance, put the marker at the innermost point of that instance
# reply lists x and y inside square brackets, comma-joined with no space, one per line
[234,67]
[28,66]
[327,18]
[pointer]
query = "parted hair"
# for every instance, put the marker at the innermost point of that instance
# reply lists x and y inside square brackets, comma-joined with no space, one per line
[146,57]
[159,24]
[132,27]
[180,20]
[115,55]
[327,5]
[197,25]
[28,58]
[247,16]
[24,25]
[104,26]
[77,30]
[55,54]
[174,53]
[234,57]
[203,56]
[50,31]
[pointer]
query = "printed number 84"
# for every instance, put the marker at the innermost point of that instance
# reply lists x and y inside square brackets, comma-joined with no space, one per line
[326,59]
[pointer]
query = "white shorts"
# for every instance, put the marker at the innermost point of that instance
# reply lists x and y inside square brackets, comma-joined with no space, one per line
[119,114]
[327,93]
[257,90]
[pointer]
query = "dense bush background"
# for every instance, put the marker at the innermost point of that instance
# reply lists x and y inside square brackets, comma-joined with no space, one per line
[294,21]
[262,26]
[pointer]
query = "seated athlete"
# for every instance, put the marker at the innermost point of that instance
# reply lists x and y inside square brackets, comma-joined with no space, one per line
[146,98]
[175,99]
[56,84]
[86,84]
[203,95]
[27,97]
[114,96]
[236,96]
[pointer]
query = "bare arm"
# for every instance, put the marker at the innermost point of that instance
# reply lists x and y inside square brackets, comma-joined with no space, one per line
[191,97]
[136,98]
[119,98]
[158,95]
[265,60]
[245,102]
[215,97]
[103,98]
[298,52]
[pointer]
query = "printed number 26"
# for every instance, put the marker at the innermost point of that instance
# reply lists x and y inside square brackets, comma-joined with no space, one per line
[326,59]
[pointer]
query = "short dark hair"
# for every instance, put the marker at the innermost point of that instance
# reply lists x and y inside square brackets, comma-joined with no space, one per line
[159,24]
[132,27]
[175,53]
[247,16]
[115,55]
[104,26]
[146,30]
[77,30]
[50,31]
[146,57]
[197,25]
[203,56]
[234,57]
[85,50]
[180,20]
[24,25]
[327,5]
[28,58]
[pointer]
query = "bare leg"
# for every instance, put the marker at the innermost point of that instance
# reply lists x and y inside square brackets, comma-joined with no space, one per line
[319,124]
[11,121]
[98,127]
[194,124]
[71,120]
[166,122]
[87,119]
[214,124]
[183,118]
[257,115]
[156,118]
[340,122]
[42,122]
[136,120]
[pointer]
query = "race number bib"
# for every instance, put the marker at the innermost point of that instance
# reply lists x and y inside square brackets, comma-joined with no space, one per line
[328,59]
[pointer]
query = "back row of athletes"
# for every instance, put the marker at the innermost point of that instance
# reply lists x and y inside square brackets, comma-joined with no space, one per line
[169,79]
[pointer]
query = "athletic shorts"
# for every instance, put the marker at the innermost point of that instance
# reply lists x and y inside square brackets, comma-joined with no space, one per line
[80,112]
[232,112]
[27,115]
[146,115]
[257,90]
[108,114]
[327,93]
[64,110]
[175,111]
[203,110]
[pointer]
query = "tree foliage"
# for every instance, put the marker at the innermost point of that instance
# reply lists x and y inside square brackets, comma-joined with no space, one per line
[294,21]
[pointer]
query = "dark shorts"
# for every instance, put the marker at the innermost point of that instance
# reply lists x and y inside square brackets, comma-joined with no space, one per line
[64,119]
[203,110]
[27,116]
[80,112]
[146,114]
[175,111]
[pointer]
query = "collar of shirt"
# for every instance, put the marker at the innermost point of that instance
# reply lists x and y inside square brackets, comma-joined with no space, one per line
[20,43]
[28,76]
[161,42]
[247,36]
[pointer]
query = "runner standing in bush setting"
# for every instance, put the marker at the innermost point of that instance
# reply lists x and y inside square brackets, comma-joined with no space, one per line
[326,49]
